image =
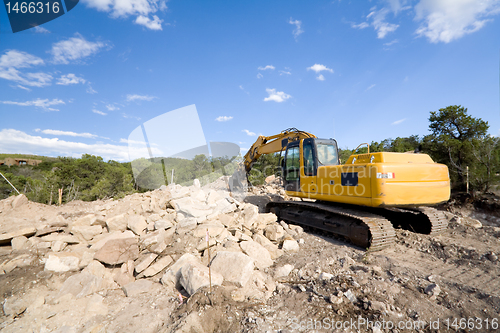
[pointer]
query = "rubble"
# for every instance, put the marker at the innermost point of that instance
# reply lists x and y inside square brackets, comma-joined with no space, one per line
[96,266]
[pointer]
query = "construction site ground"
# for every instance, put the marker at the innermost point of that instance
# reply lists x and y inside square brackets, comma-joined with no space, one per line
[423,283]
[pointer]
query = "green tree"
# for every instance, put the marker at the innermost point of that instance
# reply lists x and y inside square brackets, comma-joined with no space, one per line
[455,140]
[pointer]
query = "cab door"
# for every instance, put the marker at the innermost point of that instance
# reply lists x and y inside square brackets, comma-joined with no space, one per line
[309,167]
[291,168]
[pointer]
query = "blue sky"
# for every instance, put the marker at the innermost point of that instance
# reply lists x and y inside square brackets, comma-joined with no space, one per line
[354,70]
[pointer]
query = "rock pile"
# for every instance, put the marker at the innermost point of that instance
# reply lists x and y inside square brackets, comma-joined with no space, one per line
[184,238]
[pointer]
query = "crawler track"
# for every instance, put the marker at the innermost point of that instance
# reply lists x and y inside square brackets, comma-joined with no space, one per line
[363,228]
[370,228]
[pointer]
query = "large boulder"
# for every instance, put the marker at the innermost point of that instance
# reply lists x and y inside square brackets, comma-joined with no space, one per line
[117,223]
[62,262]
[195,276]
[235,267]
[20,200]
[117,251]
[158,266]
[191,207]
[258,253]
[137,223]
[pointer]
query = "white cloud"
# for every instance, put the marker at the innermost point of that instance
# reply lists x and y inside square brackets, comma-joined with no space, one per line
[391,42]
[362,25]
[298,27]
[127,116]
[320,77]
[12,60]
[153,24]
[276,96]
[259,76]
[91,90]
[397,122]
[24,88]
[99,112]
[74,48]
[379,24]
[319,68]
[223,118]
[271,67]
[15,141]
[112,107]
[287,71]
[70,79]
[124,8]
[448,20]
[370,87]
[40,103]
[135,97]
[249,133]
[41,30]
[66,133]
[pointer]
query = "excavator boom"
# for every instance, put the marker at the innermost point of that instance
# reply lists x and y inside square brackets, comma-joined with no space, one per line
[273,144]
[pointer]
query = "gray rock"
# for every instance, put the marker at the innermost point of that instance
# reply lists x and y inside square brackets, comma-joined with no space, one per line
[138,287]
[186,225]
[96,307]
[265,242]
[190,207]
[117,223]
[213,230]
[114,235]
[137,223]
[258,253]
[378,306]
[283,271]
[117,251]
[126,274]
[195,276]
[235,267]
[62,262]
[85,232]
[325,276]
[492,256]
[173,274]
[432,289]
[145,262]
[158,266]
[291,245]
[14,306]
[163,224]
[274,232]
[26,231]
[20,200]
[86,220]
[350,296]
[19,243]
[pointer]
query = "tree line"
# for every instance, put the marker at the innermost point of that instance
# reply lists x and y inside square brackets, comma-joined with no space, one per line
[457,139]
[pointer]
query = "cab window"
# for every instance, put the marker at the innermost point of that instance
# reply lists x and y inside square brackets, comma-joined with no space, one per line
[292,164]
[308,159]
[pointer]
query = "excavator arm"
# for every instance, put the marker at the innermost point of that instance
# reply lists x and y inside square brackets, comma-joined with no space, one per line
[272,144]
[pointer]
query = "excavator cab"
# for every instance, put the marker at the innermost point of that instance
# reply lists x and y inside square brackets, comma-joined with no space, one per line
[313,153]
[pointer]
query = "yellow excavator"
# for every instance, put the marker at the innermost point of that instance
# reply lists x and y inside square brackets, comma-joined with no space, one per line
[361,199]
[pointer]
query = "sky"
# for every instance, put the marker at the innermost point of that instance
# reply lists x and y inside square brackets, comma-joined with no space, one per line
[356,71]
